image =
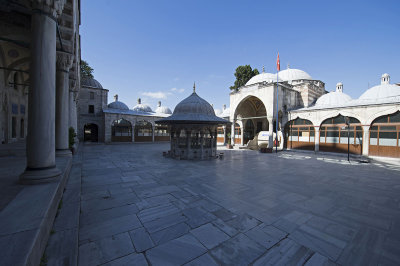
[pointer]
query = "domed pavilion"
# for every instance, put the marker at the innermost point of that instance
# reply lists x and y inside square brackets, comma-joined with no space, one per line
[193,126]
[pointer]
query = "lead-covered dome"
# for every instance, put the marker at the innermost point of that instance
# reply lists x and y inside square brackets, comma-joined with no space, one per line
[163,109]
[263,77]
[91,83]
[117,104]
[384,90]
[334,98]
[290,74]
[193,109]
[143,108]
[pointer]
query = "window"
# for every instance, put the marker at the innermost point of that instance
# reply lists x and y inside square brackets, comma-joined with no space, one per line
[91,109]
[91,95]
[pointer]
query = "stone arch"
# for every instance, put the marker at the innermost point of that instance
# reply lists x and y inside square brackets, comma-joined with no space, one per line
[376,115]
[299,134]
[335,113]
[91,132]
[144,130]
[121,130]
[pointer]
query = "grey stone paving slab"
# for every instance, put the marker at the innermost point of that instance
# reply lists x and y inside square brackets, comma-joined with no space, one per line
[141,239]
[263,238]
[170,233]
[164,222]
[105,249]
[287,252]
[103,193]
[151,214]
[203,260]
[104,215]
[229,230]
[206,204]
[318,260]
[224,214]
[14,246]
[239,250]
[108,203]
[129,260]
[62,248]
[176,252]
[155,191]
[209,235]
[102,229]
[198,216]
[243,222]
[68,216]
[293,220]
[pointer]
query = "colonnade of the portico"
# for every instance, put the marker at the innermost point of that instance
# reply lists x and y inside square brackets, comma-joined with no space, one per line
[52,96]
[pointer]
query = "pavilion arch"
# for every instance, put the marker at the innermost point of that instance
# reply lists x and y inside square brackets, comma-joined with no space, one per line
[91,132]
[143,131]
[334,135]
[299,134]
[121,130]
[335,113]
[17,64]
[384,135]
[376,115]
[161,132]
[252,112]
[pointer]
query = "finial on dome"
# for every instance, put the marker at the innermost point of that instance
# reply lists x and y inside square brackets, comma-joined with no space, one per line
[194,87]
[139,101]
[159,103]
[385,79]
[116,97]
[263,69]
[224,106]
[288,65]
[339,87]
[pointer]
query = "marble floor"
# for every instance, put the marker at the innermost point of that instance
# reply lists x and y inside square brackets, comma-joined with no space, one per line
[291,208]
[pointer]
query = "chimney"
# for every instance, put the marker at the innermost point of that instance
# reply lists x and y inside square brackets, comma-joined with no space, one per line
[139,101]
[224,107]
[159,103]
[339,87]
[385,79]
[116,97]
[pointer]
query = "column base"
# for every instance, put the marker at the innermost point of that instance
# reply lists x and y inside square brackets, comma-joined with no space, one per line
[63,153]
[33,176]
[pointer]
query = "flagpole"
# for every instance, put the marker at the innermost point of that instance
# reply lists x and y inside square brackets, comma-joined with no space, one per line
[277,105]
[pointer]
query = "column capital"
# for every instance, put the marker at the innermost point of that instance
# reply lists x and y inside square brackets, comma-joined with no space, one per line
[64,61]
[52,8]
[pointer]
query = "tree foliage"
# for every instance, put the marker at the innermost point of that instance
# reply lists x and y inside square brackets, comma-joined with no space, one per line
[86,70]
[243,74]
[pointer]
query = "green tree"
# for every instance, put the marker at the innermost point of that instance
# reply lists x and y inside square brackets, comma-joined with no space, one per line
[243,74]
[86,70]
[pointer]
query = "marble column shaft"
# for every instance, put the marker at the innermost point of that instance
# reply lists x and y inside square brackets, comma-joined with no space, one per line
[64,63]
[40,144]
[316,138]
[271,132]
[365,140]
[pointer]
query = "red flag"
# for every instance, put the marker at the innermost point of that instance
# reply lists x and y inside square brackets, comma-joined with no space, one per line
[278,63]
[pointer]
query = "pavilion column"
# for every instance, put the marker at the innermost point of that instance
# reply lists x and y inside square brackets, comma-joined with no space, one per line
[224,128]
[64,63]
[201,144]
[154,128]
[365,140]
[40,144]
[242,133]
[188,140]
[316,138]
[211,143]
[233,133]
[270,132]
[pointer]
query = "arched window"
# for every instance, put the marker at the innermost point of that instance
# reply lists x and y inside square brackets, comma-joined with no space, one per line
[384,136]
[143,131]
[238,134]
[121,130]
[300,134]
[248,133]
[161,133]
[334,135]
[220,134]
[182,139]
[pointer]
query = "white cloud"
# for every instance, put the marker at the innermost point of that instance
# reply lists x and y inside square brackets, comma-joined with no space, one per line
[156,95]
[177,90]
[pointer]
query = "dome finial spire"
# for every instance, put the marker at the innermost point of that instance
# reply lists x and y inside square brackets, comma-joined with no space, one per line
[263,69]
[194,87]
[288,65]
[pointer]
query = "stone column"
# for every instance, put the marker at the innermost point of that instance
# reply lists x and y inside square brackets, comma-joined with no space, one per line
[233,133]
[64,63]
[316,137]
[73,118]
[201,144]
[224,128]
[271,132]
[242,133]
[153,129]
[40,144]
[188,142]
[365,141]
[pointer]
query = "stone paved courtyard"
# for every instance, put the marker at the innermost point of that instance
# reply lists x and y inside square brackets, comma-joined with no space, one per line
[139,208]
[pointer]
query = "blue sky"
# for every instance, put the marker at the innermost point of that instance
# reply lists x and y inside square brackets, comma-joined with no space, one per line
[155,50]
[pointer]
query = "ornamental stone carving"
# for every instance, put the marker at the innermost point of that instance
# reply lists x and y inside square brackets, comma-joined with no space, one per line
[64,61]
[72,84]
[52,7]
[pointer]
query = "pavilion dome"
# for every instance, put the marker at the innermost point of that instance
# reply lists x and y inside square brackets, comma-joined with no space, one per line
[91,83]
[163,109]
[290,74]
[143,108]
[117,104]
[334,98]
[384,90]
[193,109]
[262,77]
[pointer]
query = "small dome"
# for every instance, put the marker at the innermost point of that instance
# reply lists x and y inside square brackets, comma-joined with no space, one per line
[117,104]
[290,74]
[384,90]
[163,109]
[267,77]
[144,108]
[217,112]
[334,98]
[91,83]
[225,112]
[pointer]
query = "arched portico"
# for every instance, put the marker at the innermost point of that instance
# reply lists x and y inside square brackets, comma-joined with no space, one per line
[121,131]
[384,135]
[91,132]
[143,131]
[300,134]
